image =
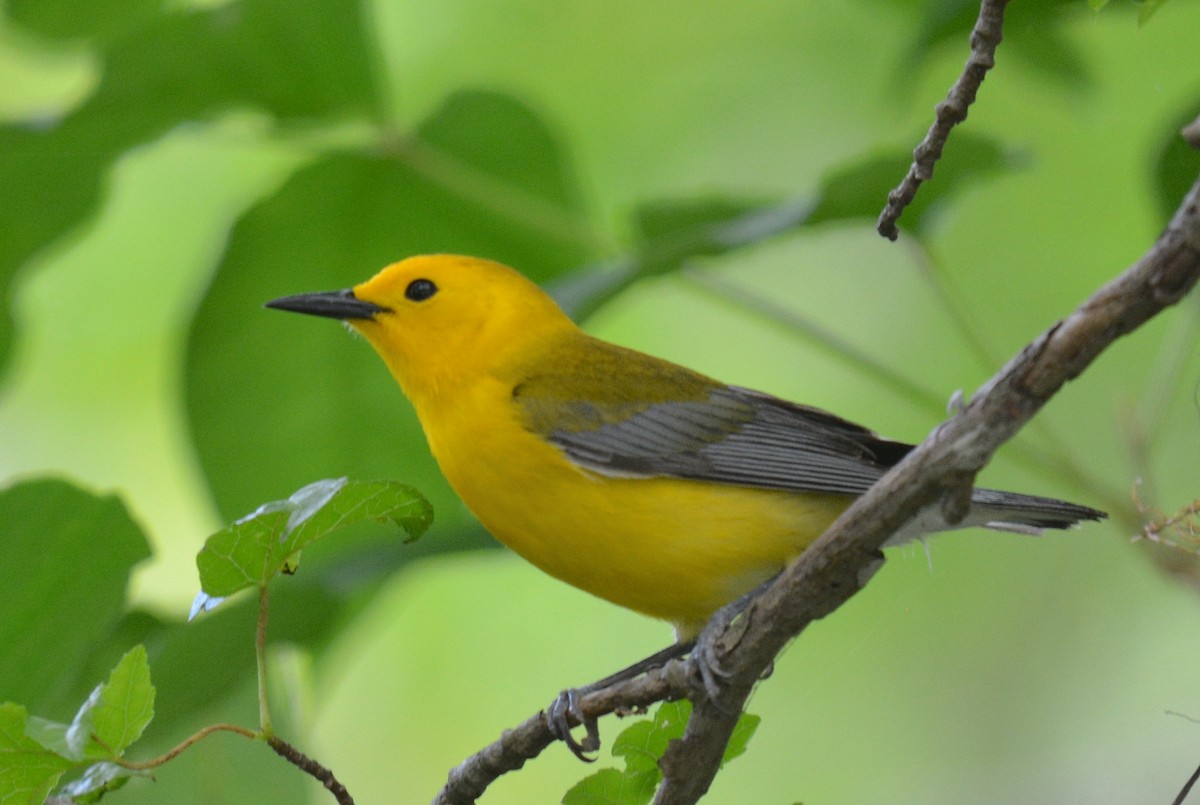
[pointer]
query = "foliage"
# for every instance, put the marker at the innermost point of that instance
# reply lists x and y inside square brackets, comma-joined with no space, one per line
[36,752]
[642,745]
[636,153]
[256,548]
[93,745]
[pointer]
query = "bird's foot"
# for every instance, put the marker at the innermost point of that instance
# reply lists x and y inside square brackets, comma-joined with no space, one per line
[558,718]
[705,655]
[705,662]
[567,706]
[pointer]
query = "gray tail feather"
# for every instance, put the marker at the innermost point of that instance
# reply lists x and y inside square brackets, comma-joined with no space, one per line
[1028,514]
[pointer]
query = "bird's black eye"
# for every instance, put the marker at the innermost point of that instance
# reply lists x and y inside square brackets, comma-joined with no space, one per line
[420,290]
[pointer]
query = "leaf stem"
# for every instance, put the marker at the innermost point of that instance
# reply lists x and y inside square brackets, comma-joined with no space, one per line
[260,655]
[154,763]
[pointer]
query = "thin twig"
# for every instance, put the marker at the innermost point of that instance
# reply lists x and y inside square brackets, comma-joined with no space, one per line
[935,478]
[260,656]
[950,112]
[468,781]
[294,756]
[153,763]
[1187,788]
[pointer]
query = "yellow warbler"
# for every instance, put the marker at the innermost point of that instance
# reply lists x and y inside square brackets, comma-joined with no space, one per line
[627,476]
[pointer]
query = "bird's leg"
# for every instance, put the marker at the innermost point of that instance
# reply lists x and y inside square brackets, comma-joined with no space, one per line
[704,654]
[566,705]
[703,659]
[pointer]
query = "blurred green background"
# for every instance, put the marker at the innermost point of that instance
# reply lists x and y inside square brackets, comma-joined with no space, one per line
[166,168]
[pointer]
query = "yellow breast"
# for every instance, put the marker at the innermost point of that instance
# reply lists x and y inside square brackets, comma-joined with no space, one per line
[670,548]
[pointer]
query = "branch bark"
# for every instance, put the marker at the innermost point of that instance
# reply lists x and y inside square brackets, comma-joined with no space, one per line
[938,474]
[985,37]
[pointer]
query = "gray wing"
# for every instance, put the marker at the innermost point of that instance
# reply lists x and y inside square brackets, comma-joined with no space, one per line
[747,438]
[735,436]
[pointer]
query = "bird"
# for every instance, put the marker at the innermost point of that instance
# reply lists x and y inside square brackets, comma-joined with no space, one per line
[635,479]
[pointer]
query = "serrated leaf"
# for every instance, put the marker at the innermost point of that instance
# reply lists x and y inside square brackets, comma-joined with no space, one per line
[611,787]
[126,703]
[28,771]
[254,549]
[112,717]
[59,545]
[642,745]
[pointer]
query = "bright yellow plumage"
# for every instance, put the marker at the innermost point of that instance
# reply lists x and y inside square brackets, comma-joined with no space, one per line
[637,480]
[671,548]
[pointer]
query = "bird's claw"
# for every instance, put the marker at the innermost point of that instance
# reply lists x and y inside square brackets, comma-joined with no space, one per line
[558,718]
[704,657]
[707,665]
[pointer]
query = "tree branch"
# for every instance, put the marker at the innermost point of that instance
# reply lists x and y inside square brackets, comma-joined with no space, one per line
[938,473]
[935,478]
[985,38]
[302,761]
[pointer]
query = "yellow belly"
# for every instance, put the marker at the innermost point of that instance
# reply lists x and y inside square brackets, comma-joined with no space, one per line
[670,548]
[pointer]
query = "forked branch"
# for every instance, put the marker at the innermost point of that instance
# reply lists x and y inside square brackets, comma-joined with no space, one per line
[938,473]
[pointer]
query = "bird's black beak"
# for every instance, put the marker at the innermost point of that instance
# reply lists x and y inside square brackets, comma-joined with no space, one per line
[331,304]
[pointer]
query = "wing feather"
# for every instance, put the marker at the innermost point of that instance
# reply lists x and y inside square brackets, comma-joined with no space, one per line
[621,413]
[733,436]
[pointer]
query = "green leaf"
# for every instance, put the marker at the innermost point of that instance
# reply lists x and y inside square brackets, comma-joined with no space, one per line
[674,232]
[611,787]
[254,549]
[111,718]
[482,176]
[739,739]
[126,703]
[660,220]
[67,556]
[642,745]
[298,61]
[28,771]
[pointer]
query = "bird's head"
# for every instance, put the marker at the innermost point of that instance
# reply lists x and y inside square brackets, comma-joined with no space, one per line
[438,319]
